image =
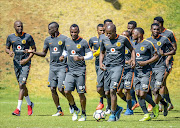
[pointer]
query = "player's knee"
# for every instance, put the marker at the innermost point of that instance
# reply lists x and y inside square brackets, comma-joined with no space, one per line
[22,86]
[53,90]
[99,90]
[107,93]
[67,93]
[127,90]
[112,92]
[82,96]
[61,90]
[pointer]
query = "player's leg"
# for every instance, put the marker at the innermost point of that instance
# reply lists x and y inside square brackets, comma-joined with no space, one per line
[69,87]
[81,89]
[116,76]
[100,88]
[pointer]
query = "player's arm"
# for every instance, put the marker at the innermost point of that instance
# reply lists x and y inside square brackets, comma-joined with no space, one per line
[8,45]
[173,40]
[170,47]
[130,47]
[95,54]
[101,56]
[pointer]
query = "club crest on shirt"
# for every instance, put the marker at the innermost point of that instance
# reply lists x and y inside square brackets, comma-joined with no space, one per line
[118,44]
[126,51]
[142,48]
[158,43]
[23,41]
[60,42]
[78,46]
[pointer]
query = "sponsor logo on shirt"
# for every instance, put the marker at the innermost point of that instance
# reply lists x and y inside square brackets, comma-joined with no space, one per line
[144,86]
[118,44]
[113,51]
[19,49]
[55,49]
[158,43]
[142,48]
[107,44]
[60,42]
[73,53]
[78,46]
[138,56]
[23,41]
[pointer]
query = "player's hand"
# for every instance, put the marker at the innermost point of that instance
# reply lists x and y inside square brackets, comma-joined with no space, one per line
[11,54]
[94,51]
[133,64]
[47,59]
[142,63]
[103,67]
[61,58]
[23,61]
[29,51]
[128,62]
[161,52]
[78,58]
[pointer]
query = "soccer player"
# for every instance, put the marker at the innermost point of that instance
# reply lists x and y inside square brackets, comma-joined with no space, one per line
[114,46]
[169,60]
[75,49]
[100,75]
[55,44]
[127,80]
[145,54]
[93,42]
[161,43]
[22,61]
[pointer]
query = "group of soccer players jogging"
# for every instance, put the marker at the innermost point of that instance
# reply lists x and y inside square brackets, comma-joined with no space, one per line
[123,62]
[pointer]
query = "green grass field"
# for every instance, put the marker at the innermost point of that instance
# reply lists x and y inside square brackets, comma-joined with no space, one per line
[36,15]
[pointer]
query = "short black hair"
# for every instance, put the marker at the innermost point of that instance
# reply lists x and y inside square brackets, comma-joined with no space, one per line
[100,25]
[74,25]
[140,30]
[128,32]
[57,25]
[108,20]
[133,23]
[160,19]
[154,24]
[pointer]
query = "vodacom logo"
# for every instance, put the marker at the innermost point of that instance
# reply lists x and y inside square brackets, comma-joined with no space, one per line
[19,47]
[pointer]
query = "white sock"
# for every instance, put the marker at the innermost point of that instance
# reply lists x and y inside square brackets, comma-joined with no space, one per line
[28,100]
[19,104]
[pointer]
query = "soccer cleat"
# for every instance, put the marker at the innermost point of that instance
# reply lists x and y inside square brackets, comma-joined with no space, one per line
[160,107]
[170,107]
[30,108]
[112,118]
[71,109]
[75,115]
[119,110]
[149,107]
[108,111]
[100,106]
[82,118]
[16,112]
[128,112]
[135,106]
[59,113]
[146,117]
[156,111]
[165,112]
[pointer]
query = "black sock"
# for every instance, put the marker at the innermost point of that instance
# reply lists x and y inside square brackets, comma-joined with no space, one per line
[132,92]
[108,103]
[101,99]
[163,102]
[148,98]
[124,98]
[70,105]
[75,107]
[129,104]
[142,103]
[166,96]
[150,93]
[59,108]
[84,112]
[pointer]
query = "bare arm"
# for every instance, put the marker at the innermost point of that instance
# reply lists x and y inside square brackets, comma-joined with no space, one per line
[132,63]
[8,51]
[153,59]
[101,58]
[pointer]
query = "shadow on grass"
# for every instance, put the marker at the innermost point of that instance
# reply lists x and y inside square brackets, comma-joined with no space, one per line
[115,3]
